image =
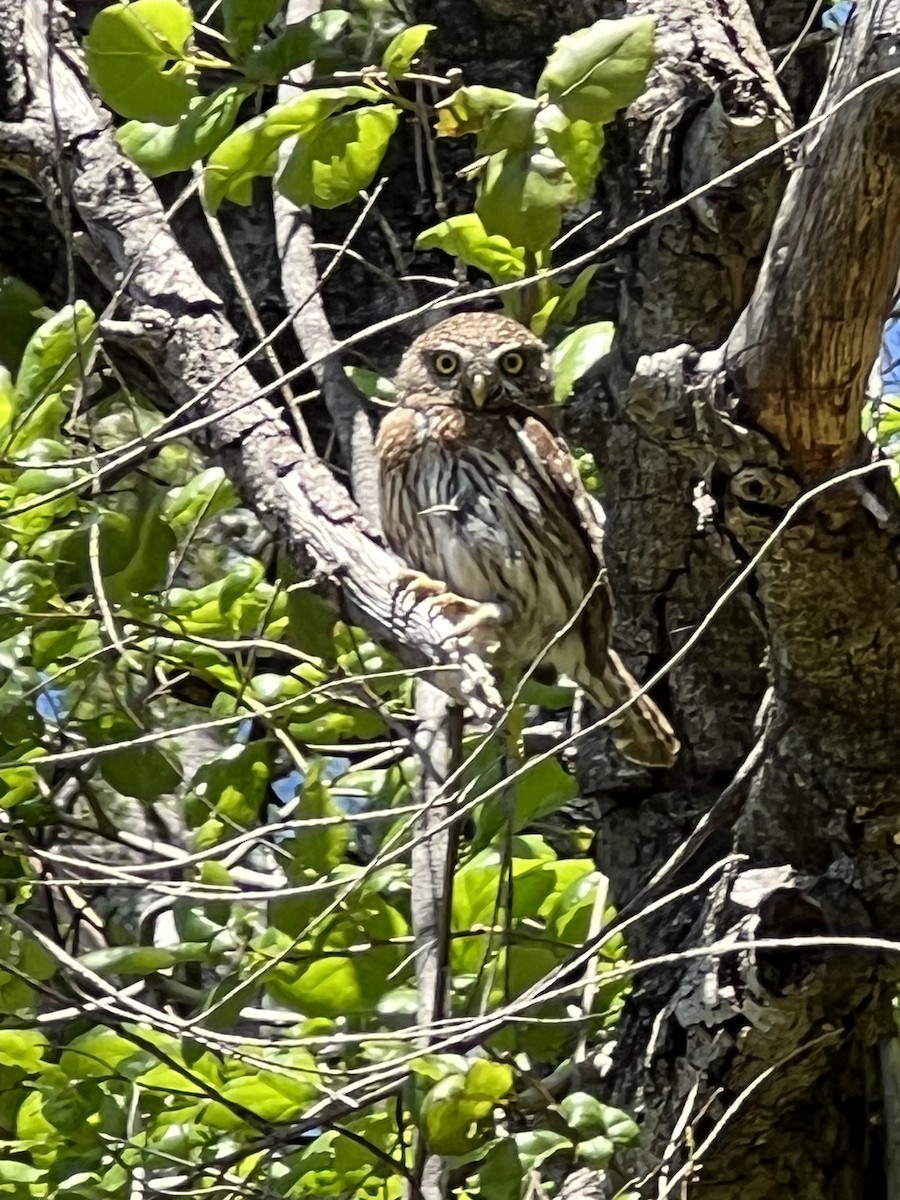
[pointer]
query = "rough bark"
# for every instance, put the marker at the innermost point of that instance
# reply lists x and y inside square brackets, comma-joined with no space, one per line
[777,1045]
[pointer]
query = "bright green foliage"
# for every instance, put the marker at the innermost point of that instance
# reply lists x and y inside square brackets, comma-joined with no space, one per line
[539,158]
[138,55]
[126,621]
[466,238]
[159,149]
[338,158]
[404,49]
[577,353]
[142,63]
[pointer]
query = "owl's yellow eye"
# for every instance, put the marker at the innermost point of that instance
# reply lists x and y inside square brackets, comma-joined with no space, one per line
[512,362]
[446,363]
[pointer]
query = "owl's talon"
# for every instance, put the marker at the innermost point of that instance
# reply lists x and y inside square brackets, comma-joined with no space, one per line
[418,585]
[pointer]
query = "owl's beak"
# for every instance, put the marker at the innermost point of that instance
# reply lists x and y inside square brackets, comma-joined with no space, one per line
[481,384]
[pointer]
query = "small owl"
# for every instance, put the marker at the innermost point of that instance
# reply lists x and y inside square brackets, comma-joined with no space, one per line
[479,493]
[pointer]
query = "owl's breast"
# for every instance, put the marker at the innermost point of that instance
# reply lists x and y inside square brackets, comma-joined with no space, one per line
[476,517]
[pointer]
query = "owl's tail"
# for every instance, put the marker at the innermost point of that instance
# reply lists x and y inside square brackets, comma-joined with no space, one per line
[641,733]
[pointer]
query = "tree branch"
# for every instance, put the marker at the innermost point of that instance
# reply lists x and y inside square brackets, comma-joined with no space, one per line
[801,352]
[300,283]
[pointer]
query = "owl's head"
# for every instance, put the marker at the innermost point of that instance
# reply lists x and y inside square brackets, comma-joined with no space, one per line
[476,360]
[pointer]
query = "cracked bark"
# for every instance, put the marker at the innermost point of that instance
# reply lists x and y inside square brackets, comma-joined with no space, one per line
[775,409]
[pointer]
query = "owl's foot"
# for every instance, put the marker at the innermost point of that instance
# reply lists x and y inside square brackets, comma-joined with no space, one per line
[418,586]
[468,629]
[474,623]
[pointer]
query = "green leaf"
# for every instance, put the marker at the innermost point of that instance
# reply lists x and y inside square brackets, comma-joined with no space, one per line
[268,1095]
[543,789]
[141,960]
[571,297]
[598,70]
[19,1172]
[318,848]
[186,508]
[66,643]
[371,384]
[57,355]
[252,149]
[522,197]
[243,21]
[466,238]
[604,1127]
[23,1048]
[339,158]
[512,128]
[21,313]
[537,1145]
[98,1052]
[470,108]
[297,44]
[144,771]
[500,1175]
[577,353]
[232,787]
[130,51]
[161,149]
[596,1151]
[403,49]
[488,1079]
[135,544]
[620,1127]
[579,145]
[346,968]
[455,1104]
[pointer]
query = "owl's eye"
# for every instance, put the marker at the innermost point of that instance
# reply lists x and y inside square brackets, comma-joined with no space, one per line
[446,363]
[512,363]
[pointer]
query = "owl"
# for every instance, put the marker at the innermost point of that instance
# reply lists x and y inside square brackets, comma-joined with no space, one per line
[478,493]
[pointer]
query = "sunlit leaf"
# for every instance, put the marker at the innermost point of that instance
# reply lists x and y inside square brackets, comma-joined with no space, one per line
[596,71]
[244,20]
[333,163]
[577,353]
[470,108]
[136,56]
[523,195]
[21,312]
[161,149]
[252,149]
[466,238]
[57,354]
[403,49]
[297,44]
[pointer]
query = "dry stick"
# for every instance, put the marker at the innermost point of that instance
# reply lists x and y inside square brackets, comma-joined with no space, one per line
[438,741]
[290,400]
[301,286]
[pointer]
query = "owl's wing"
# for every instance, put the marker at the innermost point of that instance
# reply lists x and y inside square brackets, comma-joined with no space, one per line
[550,456]
[396,439]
